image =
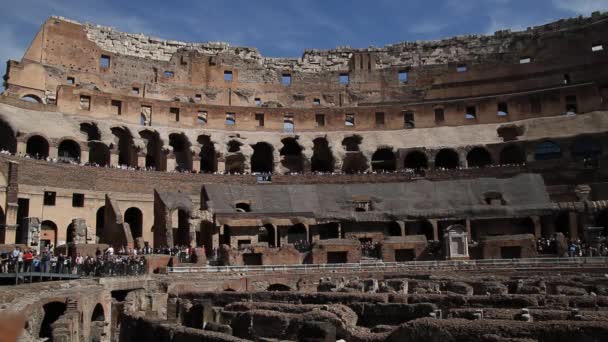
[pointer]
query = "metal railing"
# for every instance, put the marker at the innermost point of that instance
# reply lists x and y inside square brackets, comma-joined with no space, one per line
[532,263]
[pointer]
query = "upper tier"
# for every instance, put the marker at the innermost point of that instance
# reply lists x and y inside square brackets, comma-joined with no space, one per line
[100,59]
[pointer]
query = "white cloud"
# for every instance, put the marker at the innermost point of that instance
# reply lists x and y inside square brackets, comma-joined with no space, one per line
[584,7]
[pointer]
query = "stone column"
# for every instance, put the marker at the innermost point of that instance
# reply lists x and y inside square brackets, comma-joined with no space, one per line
[467,224]
[53,152]
[573,224]
[196,164]
[435,229]
[537,226]
[21,147]
[114,157]
[171,162]
[402,227]
[84,156]
[141,160]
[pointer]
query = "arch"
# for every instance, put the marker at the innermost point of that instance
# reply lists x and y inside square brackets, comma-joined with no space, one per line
[243,207]
[586,148]
[99,153]
[297,233]
[208,155]
[351,143]
[447,159]
[234,146]
[416,160]
[512,154]
[48,233]
[547,150]
[278,287]
[384,159]
[91,130]
[292,158]
[354,162]
[37,146]
[322,159]
[268,233]
[52,312]
[69,150]
[127,152]
[100,222]
[8,139]
[181,151]
[134,217]
[262,159]
[31,98]
[98,314]
[479,157]
[155,157]
[235,163]
[97,323]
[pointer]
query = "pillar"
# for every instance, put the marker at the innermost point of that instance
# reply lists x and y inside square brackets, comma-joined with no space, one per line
[537,226]
[141,161]
[401,227]
[114,158]
[573,224]
[196,164]
[170,162]
[467,224]
[21,147]
[53,152]
[435,229]
[84,156]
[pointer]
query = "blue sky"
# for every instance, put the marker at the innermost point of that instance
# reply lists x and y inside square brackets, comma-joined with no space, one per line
[284,28]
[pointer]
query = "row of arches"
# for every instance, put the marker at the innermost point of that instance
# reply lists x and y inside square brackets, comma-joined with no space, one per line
[133,216]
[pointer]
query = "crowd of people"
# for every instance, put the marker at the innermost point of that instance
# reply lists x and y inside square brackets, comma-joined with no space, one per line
[370,249]
[578,248]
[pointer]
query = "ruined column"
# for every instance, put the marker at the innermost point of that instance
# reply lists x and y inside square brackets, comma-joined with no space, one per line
[435,229]
[573,224]
[468,227]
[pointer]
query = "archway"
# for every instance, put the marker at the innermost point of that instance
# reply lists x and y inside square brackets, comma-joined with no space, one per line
[291,153]
[235,163]
[512,154]
[127,152]
[416,160]
[562,223]
[547,150]
[182,233]
[447,159]
[97,324]
[351,143]
[264,235]
[91,130]
[8,141]
[354,162]
[479,157]
[384,160]
[423,227]
[322,159]
[181,151]
[134,217]
[155,157]
[262,160]
[37,147]
[99,153]
[278,287]
[208,155]
[52,312]
[31,98]
[48,234]
[100,222]
[297,234]
[586,148]
[69,151]
[234,146]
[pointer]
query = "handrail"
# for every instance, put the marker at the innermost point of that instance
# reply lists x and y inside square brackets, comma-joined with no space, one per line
[381,265]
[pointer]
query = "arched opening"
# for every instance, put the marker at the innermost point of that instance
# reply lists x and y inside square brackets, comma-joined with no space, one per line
[69,151]
[243,207]
[37,147]
[354,162]
[291,153]
[394,229]
[8,142]
[278,287]
[262,160]
[423,227]
[235,164]
[99,153]
[91,130]
[182,233]
[384,160]
[479,157]
[48,234]
[207,155]
[586,149]
[447,159]
[267,233]
[322,159]
[100,222]
[97,324]
[155,157]
[297,234]
[512,154]
[134,217]
[181,151]
[127,152]
[351,144]
[416,160]
[52,312]
[234,146]
[31,98]
[547,150]
[70,232]
[562,223]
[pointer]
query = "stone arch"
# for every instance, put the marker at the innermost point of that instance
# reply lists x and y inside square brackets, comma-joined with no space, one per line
[37,146]
[277,287]
[547,150]
[69,150]
[127,152]
[297,233]
[512,154]
[322,159]
[351,143]
[416,160]
[586,148]
[8,139]
[98,319]
[479,157]
[292,157]
[134,217]
[48,233]
[181,151]
[447,159]
[99,153]
[52,312]
[262,160]
[91,130]
[100,222]
[234,146]
[31,98]
[208,154]
[264,235]
[155,157]
[384,159]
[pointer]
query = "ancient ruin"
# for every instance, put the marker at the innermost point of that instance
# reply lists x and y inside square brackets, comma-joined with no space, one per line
[396,193]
